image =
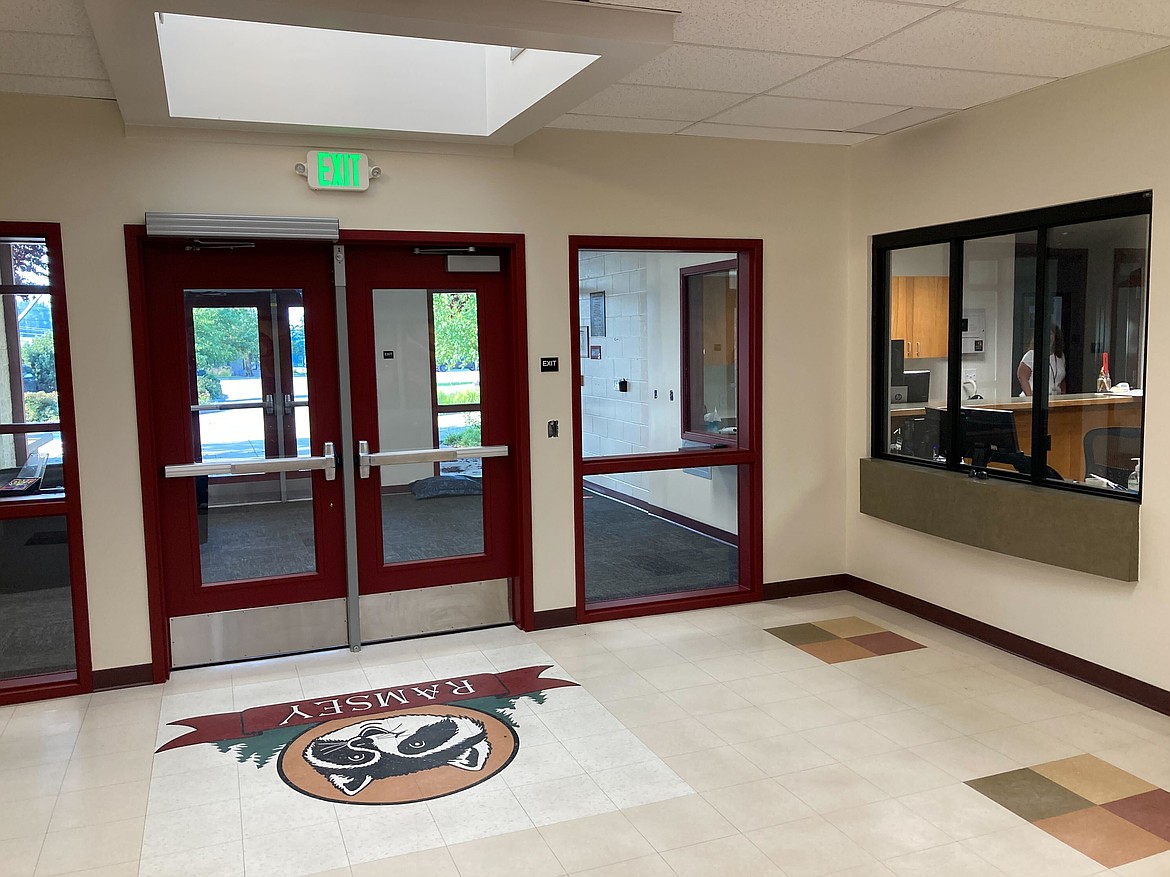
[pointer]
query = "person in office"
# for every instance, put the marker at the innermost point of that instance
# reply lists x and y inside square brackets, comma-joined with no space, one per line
[1057,371]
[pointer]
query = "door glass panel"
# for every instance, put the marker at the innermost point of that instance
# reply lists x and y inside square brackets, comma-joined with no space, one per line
[664,532]
[36,603]
[427,365]
[637,359]
[244,347]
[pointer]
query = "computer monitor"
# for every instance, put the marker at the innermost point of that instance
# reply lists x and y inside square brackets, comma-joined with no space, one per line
[917,385]
[991,430]
[987,434]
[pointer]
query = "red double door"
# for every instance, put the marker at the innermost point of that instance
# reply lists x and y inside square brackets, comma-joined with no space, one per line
[329,424]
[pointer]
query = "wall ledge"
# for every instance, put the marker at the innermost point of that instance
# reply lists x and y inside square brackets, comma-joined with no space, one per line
[1064,528]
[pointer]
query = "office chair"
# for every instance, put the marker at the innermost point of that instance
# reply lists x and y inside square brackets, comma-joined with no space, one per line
[1109,452]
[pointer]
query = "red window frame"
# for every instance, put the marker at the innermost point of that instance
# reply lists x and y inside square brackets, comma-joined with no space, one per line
[64,684]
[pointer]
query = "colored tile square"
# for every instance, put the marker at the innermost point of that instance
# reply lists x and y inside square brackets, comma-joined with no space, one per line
[836,651]
[1029,795]
[799,634]
[849,627]
[886,643]
[1104,837]
[1150,811]
[1093,779]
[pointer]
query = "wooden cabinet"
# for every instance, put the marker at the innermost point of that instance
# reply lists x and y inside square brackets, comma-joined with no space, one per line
[919,314]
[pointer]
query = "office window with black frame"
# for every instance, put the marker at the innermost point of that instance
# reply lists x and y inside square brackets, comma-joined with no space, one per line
[1021,336]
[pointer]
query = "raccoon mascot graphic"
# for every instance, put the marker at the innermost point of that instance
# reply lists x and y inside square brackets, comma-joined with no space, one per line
[353,757]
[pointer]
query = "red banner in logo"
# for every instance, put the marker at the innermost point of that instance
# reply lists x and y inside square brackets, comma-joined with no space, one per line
[257,720]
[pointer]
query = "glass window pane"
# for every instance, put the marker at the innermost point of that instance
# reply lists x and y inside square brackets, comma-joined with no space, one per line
[36,603]
[28,393]
[456,339]
[428,511]
[998,312]
[24,263]
[249,400]
[665,532]
[31,465]
[918,280]
[630,317]
[1095,348]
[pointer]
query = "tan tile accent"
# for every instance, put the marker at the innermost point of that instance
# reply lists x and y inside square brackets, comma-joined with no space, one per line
[595,841]
[1094,779]
[679,822]
[835,651]
[1104,837]
[851,626]
[522,852]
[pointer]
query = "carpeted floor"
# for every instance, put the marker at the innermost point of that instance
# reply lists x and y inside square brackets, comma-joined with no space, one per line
[36,632]
[628,552]
[252,541]
[632,553]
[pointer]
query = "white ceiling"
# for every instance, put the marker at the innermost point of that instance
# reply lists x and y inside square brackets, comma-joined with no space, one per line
[814,71]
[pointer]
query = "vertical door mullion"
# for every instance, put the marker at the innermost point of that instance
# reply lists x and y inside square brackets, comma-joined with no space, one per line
[348,451]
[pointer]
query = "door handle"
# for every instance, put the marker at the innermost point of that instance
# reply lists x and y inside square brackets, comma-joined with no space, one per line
[326,463]
[918,348]
[422,455]
[269,405]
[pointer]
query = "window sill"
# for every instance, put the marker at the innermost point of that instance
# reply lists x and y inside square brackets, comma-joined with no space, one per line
[1077,531]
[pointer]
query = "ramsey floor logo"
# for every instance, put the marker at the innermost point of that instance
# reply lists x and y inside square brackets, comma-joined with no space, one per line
[387,746]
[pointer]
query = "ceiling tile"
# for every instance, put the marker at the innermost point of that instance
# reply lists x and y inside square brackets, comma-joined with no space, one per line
[806,27]
[649,102]
[614,123]
[998,44]
[1149,16]
[684,66]
[871,82]
[36,54]
[788,135]
[55,85]
[792,112]
[44,16]
[905,119]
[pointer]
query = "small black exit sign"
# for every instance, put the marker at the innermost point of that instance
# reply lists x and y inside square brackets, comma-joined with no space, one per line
[550,364]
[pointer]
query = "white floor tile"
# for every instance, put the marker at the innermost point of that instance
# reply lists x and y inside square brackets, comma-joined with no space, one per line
[295,853]
[380,832]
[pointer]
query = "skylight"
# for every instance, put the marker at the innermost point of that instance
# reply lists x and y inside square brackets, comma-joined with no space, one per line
[247,71]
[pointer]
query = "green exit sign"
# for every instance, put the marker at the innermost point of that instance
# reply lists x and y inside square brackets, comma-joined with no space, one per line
[338,171]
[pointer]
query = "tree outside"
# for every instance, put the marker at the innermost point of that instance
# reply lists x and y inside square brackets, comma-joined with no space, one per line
[222,337]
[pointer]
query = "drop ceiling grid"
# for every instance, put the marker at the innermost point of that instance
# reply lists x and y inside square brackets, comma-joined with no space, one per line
[47,47]
[910,60]
[924,60]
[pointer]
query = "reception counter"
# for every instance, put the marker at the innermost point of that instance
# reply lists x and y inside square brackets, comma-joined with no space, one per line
[1069,418]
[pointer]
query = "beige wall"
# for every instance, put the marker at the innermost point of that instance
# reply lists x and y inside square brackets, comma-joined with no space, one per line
[69,161]
[1091,136]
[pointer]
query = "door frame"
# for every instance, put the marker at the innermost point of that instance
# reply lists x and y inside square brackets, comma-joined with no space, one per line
[749,451]
[149,463]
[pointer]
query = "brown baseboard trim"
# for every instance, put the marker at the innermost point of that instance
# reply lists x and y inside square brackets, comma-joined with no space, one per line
[122,677]
[804,587]
[665,514]
[550,618]
[1151,696]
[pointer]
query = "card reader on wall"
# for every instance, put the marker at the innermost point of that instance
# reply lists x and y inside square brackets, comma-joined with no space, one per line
[974,330]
